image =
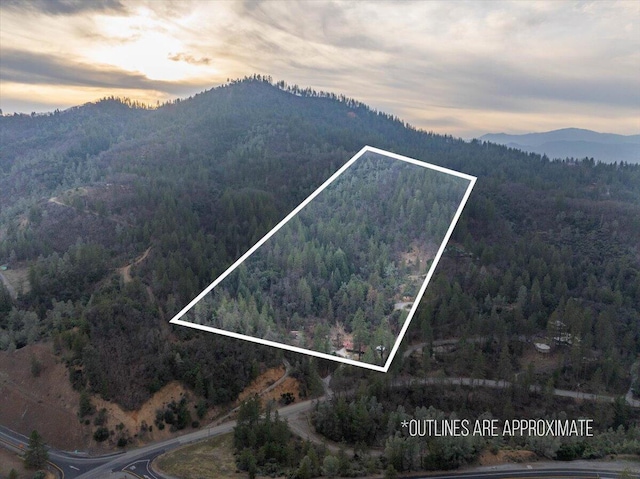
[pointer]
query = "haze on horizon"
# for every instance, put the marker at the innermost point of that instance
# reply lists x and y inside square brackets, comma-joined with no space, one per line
[462,68]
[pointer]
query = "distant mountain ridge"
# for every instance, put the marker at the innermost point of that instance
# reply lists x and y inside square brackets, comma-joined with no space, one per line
[573,143]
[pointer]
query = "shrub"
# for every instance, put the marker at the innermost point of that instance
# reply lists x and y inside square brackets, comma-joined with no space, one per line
[101,434]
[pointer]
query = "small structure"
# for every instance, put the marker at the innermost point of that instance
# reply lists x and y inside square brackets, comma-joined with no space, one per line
[542,348]
[561,335]
[562,338]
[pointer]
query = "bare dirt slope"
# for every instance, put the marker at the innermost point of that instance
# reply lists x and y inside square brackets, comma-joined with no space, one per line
[46,403]
[133,420]
[10,460]
[266,379]
[49,404]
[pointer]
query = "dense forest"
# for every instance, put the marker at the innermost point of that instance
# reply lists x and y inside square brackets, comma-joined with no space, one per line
[114,216]
[329,279]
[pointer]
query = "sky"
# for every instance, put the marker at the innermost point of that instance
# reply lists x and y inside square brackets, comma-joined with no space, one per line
[459,68]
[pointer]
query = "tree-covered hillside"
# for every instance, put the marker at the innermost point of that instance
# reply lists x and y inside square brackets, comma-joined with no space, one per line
[85,192]
[335,278]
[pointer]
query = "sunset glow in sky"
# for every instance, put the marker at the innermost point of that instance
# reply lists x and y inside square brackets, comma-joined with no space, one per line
[455,67]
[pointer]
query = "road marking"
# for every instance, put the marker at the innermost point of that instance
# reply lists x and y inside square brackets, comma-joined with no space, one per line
[131,472]
[56,467]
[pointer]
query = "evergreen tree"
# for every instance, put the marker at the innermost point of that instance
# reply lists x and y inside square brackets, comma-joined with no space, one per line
[330,466]
[36,456]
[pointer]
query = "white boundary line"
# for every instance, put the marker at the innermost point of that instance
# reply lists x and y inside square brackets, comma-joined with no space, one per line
[472,180]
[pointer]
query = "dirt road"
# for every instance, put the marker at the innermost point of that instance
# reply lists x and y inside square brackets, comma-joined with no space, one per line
[125,271]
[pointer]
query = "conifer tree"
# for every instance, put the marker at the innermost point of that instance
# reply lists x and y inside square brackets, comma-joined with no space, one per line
[36,456]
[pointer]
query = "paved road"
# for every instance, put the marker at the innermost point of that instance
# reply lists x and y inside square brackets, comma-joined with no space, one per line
[501,384]
[74,465]
[629,398]
[142,468]
[448,342]
[138,461]
[70,464]
[148,453]
[291,412]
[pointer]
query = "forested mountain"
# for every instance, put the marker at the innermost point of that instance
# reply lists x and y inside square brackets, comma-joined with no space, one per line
[181,191]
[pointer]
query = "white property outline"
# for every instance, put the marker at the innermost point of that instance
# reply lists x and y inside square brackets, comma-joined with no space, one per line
[472,181]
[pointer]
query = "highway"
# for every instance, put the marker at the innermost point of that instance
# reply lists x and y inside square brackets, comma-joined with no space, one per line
[70,464]
[500,384]
[137,461]
[148,453]
[81,466]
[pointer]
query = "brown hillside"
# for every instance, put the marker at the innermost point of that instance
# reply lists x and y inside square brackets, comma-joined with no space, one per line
[46,403]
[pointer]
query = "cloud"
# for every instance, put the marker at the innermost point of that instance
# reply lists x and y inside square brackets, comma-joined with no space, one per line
[20,66]
[64,7]
[491,83]
[508,57]
[341,25]
[428,62]
[185,57]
